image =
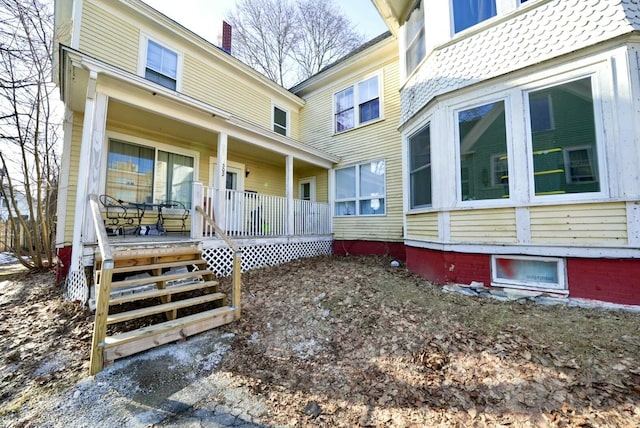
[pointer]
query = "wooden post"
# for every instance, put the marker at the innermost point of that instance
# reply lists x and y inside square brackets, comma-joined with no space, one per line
[102,310]
[236,299]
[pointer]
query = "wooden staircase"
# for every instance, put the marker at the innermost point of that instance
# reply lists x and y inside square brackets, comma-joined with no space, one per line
[175,282]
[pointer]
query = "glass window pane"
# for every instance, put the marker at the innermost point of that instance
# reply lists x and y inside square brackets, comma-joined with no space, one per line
[420,168]
[372,206]
[345,208]
[346,183]
[370,110]
[372,179]
[483,136]
[174,177]
[130,172]
[467,13]
[344,120]
[565,157]
[368,89]
[415,52]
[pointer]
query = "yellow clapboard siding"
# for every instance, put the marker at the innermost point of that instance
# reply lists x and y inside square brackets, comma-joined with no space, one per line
[604,223]
[486,225]
[374,141]
[422,226]
[224,88]
[109,38]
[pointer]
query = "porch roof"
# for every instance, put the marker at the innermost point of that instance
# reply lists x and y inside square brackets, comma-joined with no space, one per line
[129,88]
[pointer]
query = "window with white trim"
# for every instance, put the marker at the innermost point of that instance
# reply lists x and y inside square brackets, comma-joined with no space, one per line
[415,39]
[161,65]
[420,168]
[361,189]
[137,173]
[467,13]
[482,139]
[280,121]
[565,156]
[349,113]
[527,272]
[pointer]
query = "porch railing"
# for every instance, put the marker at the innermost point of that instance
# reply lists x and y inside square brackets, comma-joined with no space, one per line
[250,214]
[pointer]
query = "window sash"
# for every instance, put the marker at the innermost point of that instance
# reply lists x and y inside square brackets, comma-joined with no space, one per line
[420,168]
[467,13]
[138,173]
[161,65]
[367,94]
[361,189]
[554,160]
[280,121]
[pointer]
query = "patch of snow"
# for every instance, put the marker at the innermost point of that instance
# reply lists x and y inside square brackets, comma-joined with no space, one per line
[7,258]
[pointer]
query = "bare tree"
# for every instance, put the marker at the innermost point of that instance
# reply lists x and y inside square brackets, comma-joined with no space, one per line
[325,36]
[287,41]
[27,130]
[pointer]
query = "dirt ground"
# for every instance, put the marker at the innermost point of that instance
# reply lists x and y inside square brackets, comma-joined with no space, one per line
[352,341]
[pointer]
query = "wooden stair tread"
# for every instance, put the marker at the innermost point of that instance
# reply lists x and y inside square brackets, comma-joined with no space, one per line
[118,339]
[159,278]
[134,341]
[175,289]
[161,265]
[150,252]
[164,307]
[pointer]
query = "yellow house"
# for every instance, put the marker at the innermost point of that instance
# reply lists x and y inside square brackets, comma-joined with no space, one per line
[520,136]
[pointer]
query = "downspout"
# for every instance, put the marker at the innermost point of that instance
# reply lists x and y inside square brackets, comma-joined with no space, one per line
[83,172]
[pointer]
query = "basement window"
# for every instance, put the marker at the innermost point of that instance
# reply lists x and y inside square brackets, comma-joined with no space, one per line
[528,272]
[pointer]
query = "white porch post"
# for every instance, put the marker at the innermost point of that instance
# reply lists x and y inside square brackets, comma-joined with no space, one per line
[289,184]
[220,182]
[197,198]
[95,160]
[83,172]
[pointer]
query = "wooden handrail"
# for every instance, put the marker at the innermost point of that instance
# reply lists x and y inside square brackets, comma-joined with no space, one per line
[103,288]
[237,261]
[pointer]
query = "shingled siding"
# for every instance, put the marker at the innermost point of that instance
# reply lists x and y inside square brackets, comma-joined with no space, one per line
[526,37]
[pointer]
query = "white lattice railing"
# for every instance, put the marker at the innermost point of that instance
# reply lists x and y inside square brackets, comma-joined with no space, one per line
[250,214]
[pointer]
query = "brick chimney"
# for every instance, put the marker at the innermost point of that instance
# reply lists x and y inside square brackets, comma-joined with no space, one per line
[226,37]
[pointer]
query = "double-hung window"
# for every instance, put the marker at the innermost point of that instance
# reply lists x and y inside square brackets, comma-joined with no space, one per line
[415,40]
[280,121]
[161,65]
[137,173]
[420,168]
[357,104]
[467,13]
[563,136]
[360,189]
[482,138]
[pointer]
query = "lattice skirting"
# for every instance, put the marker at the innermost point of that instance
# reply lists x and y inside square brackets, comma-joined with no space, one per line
[220,260]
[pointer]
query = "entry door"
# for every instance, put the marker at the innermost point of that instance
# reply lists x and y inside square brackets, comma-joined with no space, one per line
[234,214]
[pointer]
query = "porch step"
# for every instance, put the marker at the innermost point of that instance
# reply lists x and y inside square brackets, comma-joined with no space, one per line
[134,341]
[160,278]
[150,266]
[165,307]
[175,289]
[134,252]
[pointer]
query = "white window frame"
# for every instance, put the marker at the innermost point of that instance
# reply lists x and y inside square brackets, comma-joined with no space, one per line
[561,269]
[504,97]
[311,181]
[413,133]
[411,43]
[142,58]
[596,75]
[357,197]
[287,128]
[356,103]
[126,138]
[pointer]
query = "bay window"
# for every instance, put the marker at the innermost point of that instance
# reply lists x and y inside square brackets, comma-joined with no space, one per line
[467,13]
[565,152]
[482,138]
[137,173]
[420,168]
[360,189]
[415,38]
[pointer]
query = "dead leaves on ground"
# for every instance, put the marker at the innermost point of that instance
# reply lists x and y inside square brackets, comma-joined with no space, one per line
[373,345]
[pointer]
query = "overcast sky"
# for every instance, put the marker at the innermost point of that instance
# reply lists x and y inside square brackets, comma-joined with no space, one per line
[204,17]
